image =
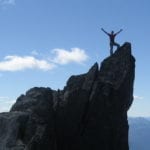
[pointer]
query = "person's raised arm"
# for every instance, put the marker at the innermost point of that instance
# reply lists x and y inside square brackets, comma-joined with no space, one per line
[104,31]
[119,31]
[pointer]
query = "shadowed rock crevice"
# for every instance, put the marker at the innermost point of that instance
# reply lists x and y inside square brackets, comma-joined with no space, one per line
[89,113]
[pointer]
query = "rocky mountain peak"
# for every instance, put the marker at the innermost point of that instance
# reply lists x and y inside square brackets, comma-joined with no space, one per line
[89,113]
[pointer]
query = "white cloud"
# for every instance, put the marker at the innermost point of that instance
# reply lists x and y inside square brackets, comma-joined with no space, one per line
[7,2]
[17,63]
[63,56]
[138,97]
[5,103]
[35,53]
[38,61]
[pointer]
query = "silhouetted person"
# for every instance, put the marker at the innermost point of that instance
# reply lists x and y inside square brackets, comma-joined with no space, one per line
[112,36]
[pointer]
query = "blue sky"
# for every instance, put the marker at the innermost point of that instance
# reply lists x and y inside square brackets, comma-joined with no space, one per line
[43,42]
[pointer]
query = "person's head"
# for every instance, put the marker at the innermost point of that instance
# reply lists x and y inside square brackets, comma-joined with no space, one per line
[112,32]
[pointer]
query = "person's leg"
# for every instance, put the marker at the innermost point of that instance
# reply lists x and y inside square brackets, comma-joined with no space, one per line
[116,44]
[111,48]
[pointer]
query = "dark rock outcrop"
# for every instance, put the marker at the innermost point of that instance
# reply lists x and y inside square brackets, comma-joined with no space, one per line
[89,113]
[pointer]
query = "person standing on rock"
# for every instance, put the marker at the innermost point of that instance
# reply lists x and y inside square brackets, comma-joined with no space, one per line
[112,36]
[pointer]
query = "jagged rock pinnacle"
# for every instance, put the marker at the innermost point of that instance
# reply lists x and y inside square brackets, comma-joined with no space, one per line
[89,113]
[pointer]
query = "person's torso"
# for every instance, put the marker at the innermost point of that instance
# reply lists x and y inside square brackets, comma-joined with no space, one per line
[112,37]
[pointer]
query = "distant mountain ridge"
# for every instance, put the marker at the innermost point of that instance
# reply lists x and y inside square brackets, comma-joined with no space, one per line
[139,133]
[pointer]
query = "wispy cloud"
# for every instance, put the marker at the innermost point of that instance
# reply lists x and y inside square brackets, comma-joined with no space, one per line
[7,2]
[138,97]
[5,103]
[35,53]
[17,63]
[3,97]
[63,56]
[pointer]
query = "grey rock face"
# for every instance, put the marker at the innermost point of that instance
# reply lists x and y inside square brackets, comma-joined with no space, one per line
[11,130]
[89,113]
